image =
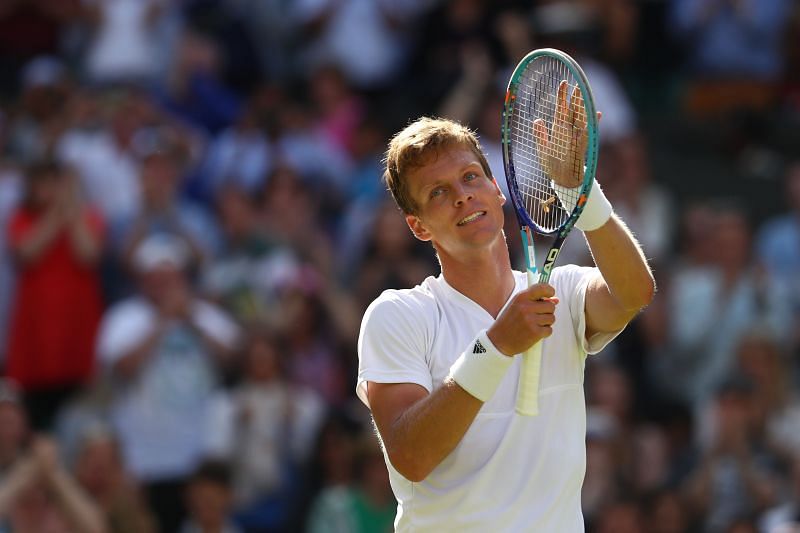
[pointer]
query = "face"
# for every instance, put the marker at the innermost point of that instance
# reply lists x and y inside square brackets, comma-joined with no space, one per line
[208,502]
[459,206]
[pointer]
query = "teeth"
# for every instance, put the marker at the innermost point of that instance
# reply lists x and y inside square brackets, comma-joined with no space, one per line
[470,218]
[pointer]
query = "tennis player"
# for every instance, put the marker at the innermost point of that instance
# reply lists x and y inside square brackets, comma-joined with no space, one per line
[438,363]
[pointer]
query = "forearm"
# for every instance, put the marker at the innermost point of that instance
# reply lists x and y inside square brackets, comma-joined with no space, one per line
[31,248]
[622,263]
[85,244]
[428,431]
[76,504]
[128,365]
[20,476]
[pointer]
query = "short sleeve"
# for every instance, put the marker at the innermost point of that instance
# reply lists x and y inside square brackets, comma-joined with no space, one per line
[216,324]
[392,344]
[571,282]
[123,328]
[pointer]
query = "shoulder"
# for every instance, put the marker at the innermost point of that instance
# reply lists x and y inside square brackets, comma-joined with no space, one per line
[129,309]
[133,314]
[412,305]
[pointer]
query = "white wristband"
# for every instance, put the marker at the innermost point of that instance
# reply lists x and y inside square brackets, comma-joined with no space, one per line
[480,369]
[595,213]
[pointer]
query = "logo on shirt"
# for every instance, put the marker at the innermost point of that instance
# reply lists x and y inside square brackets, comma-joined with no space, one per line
[478,348]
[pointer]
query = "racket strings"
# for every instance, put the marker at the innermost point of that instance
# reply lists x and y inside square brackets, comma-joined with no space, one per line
[537,98]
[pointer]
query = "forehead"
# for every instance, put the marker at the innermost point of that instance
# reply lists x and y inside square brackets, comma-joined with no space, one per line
[441,164]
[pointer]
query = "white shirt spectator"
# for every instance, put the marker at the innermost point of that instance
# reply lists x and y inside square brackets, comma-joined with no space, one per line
[160,413]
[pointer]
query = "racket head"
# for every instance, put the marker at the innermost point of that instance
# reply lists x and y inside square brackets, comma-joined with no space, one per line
[532,101]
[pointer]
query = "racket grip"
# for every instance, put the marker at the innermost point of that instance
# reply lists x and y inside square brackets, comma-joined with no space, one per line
[528,388]
[528,391]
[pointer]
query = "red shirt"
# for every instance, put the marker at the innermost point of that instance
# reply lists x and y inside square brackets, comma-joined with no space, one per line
[57,309]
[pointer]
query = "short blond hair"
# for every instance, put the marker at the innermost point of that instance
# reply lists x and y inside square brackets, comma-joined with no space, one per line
[410,148]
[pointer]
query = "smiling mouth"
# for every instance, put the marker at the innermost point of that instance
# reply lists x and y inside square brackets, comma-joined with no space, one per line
[471,218]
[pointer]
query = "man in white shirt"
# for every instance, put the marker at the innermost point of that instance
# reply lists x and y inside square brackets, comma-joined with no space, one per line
[163,348]
[437,363]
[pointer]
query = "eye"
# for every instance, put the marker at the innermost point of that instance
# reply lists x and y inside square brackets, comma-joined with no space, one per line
[438,191]
[470,176]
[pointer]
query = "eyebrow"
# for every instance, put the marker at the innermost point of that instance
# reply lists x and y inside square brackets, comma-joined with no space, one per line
[472,165]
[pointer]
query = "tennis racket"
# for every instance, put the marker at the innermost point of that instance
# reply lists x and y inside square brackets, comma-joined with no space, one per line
[549,138]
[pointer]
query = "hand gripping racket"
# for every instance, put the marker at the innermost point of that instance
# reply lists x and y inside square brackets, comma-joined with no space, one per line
[549,137]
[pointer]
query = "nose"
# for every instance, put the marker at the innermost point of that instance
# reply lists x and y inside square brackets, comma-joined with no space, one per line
[462,195]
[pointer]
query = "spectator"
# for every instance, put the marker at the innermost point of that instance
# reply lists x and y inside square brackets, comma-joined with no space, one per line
[246,276]
[364,506]
[776,404]
[365,38]
[100,471]
[778,246]
[240,156]
[785,517]
[290,214]
[33,129]
[29,29]
[40,495]
[666,512]
[623,516]
[163,347]
[164,211]
[124,45]
[711,306]
[734,53]
[340,110]
[734,475]
[317,318]
[738,39]
[193,91]
[104,153]
[56,241]
[392,257]
[265,429]
[14,431]
[208,497]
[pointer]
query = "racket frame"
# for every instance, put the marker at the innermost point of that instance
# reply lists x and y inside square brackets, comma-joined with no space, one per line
[527,399]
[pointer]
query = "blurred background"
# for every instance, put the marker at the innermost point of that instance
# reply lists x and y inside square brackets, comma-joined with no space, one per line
[193,224]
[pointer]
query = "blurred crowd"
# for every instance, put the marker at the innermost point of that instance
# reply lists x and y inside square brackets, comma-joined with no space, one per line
[193,223]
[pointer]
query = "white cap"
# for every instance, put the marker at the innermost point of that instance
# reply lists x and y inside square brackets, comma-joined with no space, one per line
[160,250]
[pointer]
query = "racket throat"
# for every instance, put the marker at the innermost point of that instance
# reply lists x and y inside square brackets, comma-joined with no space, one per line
[530,256]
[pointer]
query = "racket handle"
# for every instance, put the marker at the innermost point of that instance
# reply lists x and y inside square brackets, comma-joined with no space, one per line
[528,391]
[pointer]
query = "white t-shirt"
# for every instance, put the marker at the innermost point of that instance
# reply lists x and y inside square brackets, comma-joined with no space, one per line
[509,472]
[161,412]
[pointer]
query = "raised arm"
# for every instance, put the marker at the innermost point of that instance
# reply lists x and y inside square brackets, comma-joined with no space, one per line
[625,284]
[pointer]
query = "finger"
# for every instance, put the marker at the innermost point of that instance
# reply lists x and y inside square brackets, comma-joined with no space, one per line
[547,319]
[545,331]
[561,105]
[573,109]
[540,133]
[543,307]
[578,109]
[540,291]
[599,115]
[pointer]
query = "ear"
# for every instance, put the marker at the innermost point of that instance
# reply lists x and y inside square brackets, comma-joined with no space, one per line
[417,228]
[500,194]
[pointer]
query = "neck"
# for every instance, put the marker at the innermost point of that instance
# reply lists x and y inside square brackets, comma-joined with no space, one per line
[485,277]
